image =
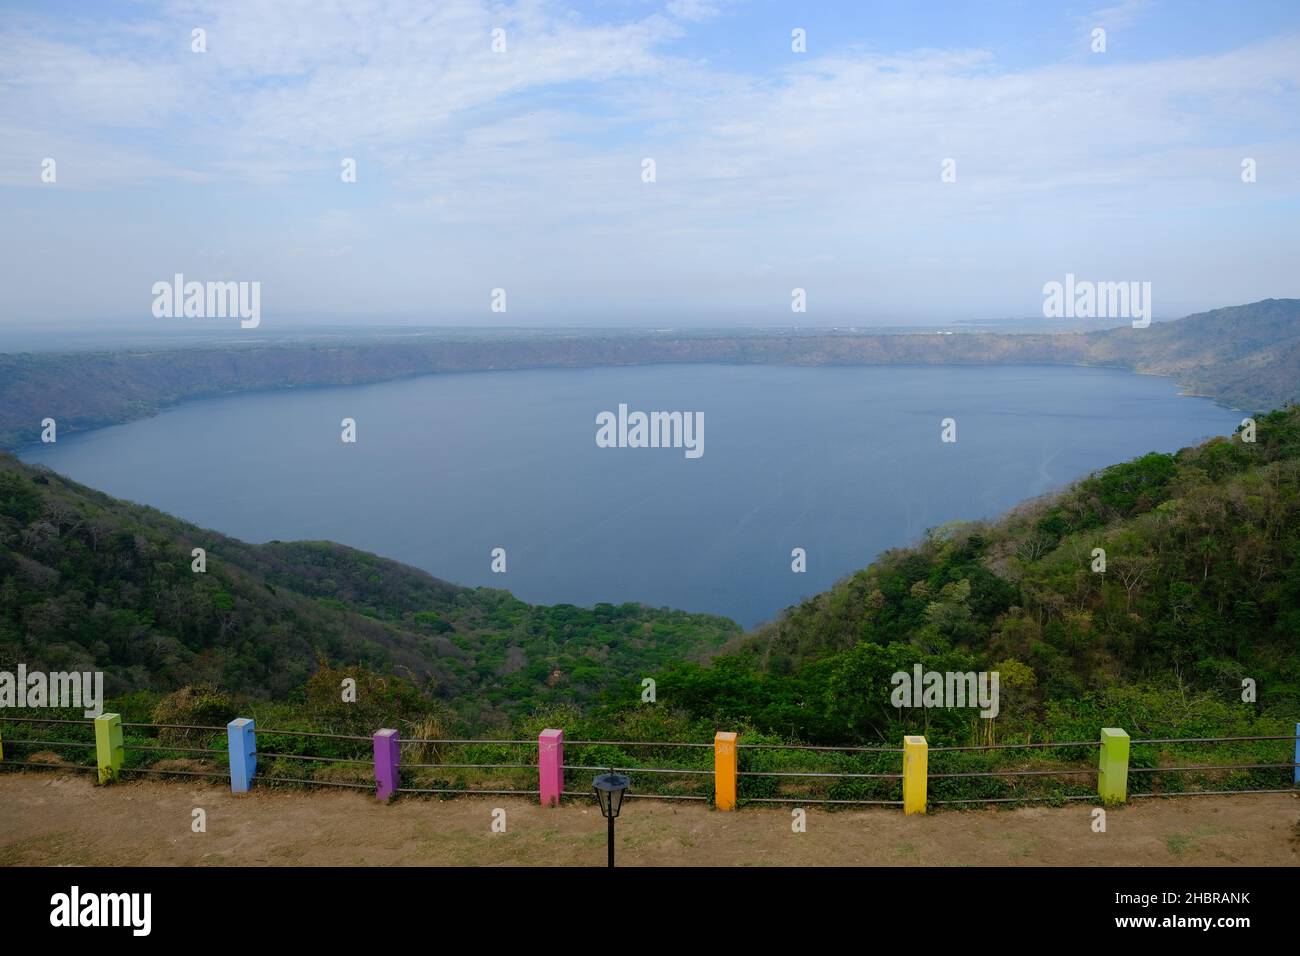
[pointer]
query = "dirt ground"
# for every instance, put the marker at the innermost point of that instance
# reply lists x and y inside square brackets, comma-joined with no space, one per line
[60,818]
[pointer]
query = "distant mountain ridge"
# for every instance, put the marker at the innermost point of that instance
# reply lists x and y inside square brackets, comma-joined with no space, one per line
[1246,356]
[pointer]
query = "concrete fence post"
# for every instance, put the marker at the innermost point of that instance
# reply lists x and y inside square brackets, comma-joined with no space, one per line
[108,746]
[724,770]
[550,766]
[388,758]
[1112,781]
[916,769]
[242,739]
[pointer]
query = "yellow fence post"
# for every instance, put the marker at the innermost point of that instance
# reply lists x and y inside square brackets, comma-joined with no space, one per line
[916,764]
[724,770]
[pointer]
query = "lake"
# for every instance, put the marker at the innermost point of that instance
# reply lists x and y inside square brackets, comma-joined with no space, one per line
[842,462]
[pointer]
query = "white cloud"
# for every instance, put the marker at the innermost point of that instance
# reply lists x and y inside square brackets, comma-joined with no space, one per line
[528,162]
[695,11]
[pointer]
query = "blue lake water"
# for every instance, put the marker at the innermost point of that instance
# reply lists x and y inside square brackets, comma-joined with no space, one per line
[843,462]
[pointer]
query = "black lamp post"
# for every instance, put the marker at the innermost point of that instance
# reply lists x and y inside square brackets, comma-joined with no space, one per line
[610,788]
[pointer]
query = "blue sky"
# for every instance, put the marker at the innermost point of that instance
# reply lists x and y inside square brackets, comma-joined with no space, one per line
[522,169]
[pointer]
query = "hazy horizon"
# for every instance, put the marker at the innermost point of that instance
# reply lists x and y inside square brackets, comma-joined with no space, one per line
[135,334]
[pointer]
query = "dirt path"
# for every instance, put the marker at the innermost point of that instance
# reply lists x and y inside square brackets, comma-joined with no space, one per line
[61,818]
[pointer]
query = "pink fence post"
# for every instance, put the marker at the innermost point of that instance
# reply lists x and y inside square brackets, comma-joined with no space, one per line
[550,765]
[388,754]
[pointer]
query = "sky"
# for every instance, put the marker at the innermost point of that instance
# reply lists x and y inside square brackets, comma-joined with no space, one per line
[523,168]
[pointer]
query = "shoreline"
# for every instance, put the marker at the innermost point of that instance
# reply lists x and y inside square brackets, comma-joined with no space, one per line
[18,448]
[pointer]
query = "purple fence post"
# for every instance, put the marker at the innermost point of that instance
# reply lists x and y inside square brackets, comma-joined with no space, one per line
[550,766]
[388,755]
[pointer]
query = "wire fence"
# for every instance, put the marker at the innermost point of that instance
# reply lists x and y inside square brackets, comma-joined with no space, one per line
[1202,778]
[57,744]
[1248,776]
[767,773]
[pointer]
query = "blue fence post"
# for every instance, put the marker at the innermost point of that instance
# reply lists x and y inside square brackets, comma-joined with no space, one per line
[243,753]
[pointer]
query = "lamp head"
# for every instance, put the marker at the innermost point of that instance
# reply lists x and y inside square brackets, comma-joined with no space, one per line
[610,788]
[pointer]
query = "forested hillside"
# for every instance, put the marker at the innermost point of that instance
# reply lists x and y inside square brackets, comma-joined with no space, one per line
[1201,589]
[91,582]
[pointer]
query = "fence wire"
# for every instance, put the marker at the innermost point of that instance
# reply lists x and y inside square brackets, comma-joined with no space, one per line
[215,753]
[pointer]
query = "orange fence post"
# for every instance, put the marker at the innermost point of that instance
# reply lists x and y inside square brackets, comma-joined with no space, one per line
[724,770]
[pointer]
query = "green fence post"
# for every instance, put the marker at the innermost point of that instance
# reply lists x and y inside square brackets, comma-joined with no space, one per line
[1112,782]
[108,746]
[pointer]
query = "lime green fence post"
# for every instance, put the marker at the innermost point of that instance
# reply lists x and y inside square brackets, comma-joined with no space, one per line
[108,746]
[1112,782]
